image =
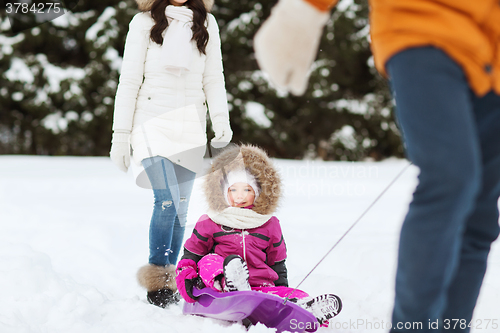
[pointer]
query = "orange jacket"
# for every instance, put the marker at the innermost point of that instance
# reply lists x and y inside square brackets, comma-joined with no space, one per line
[468,31]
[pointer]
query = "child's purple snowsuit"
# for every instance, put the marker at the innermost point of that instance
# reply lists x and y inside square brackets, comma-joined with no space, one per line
[260,247]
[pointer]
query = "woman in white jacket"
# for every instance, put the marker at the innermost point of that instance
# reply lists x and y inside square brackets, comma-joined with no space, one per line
[172,68]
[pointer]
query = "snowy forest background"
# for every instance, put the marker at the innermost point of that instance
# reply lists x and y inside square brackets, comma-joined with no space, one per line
[58,82]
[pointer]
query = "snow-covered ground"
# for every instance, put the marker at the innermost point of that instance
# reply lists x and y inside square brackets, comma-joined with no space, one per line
[74,231]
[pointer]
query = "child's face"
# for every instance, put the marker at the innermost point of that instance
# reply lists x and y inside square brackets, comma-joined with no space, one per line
[178,2]
[240,195]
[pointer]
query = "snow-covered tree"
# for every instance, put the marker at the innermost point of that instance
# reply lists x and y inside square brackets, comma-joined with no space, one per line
[346,112]
[59,78]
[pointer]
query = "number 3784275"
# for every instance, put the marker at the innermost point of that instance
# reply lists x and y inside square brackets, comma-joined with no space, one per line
[36,8]
[478,324]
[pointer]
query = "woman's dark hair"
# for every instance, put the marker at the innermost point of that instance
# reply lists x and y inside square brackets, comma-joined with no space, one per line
[200,33]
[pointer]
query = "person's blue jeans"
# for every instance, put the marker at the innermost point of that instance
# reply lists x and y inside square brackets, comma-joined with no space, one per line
[453,136]
[172,185]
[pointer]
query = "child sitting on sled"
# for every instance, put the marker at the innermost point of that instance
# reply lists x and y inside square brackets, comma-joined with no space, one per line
[238,245]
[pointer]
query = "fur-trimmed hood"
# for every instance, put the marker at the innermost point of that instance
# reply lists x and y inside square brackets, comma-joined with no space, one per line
[255,161]
[145,5]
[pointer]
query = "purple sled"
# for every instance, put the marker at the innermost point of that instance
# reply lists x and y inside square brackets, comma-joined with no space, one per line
[254,307]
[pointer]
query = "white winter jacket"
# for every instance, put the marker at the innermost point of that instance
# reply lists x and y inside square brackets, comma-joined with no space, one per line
[166,114]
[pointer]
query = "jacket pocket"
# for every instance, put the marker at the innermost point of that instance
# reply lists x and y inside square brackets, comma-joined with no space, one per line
[147,95]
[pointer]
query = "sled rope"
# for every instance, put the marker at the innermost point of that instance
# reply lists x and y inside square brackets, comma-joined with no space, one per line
[350,228]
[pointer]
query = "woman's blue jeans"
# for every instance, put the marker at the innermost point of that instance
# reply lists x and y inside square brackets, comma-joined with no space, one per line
[172,187]
[453,136]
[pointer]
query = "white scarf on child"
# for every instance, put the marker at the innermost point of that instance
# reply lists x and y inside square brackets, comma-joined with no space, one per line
[176,50]
[238,218]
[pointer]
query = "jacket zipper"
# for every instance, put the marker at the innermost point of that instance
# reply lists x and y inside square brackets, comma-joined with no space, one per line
[243,233]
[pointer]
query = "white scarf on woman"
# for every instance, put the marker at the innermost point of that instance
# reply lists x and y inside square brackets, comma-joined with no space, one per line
[239,218]
[176,50]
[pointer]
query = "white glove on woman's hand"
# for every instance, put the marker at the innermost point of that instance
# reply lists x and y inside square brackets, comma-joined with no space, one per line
[120,149]
[287,43]
[223,135]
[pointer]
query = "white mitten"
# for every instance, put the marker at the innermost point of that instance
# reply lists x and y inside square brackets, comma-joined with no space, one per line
[120,149]
[287,43]
[223,135]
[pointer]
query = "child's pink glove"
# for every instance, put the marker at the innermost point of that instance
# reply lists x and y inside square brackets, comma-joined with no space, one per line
[186,275]
[211,268]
